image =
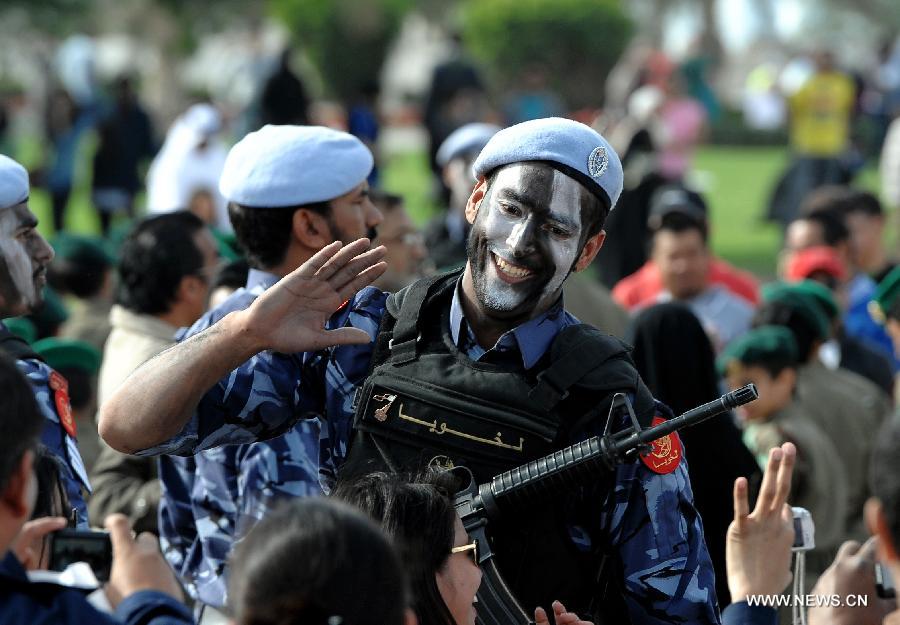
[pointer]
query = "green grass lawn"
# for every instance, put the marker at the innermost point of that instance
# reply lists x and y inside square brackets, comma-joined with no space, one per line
[737,182]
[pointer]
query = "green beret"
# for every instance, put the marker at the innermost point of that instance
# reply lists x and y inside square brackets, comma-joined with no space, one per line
[80,248]
[802,301]
[822,294]
[21,327]
[229,250]
[761,345]
[885,296]
[68,354]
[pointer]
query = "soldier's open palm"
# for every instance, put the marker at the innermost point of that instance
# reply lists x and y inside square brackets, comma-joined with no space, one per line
[290,316]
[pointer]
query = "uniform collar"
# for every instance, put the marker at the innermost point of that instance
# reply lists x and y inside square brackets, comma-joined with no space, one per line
[259,277]
[531,339]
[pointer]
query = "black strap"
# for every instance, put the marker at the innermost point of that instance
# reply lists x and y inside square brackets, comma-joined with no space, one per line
[570,367]
[406,333]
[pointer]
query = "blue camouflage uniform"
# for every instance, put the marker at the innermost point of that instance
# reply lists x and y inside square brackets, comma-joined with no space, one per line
[60,443]
[650,518]
[26,603]
[211,500]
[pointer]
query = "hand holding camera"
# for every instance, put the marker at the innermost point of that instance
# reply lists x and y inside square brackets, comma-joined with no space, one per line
[851,574]
[137,563]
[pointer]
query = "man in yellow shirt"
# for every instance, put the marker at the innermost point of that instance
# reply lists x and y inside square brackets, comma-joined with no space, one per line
[821,113]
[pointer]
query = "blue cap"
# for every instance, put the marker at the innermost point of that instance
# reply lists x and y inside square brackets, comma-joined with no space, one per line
[279,166]
[467,139]
[13,182]
[580,149]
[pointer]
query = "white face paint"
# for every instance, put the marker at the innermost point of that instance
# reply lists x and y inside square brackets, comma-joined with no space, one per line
[26,255]
[526,238]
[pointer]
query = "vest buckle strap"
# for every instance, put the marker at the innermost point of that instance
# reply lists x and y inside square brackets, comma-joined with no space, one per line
[404,351]
[546,392]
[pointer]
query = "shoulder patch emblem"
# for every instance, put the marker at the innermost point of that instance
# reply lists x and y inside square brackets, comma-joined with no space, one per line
[60,388]
[665,453]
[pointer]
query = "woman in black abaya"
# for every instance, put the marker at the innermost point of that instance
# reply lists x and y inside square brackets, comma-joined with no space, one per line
[676,360]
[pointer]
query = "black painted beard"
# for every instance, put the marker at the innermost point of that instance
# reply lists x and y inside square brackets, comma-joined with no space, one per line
[528,294]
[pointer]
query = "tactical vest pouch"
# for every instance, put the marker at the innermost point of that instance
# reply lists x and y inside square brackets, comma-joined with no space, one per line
[427,419]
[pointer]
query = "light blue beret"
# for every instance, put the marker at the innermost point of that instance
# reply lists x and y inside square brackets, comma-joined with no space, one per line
[13,182]
[280,166]
[467,139]
[583,153]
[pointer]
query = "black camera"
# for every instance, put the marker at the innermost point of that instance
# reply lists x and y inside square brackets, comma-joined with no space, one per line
[68,546]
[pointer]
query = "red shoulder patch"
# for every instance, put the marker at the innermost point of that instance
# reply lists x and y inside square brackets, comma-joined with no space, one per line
[665,453]
[60,387]
[58,382]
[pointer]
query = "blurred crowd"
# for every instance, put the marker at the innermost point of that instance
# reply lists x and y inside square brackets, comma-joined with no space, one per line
[820,341]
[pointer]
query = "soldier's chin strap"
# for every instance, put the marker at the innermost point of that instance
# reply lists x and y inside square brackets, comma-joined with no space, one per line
[544,479]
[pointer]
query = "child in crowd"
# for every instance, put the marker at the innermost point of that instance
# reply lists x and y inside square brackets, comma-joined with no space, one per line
[767,357]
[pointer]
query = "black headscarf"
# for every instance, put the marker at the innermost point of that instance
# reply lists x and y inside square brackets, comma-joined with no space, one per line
[676,360]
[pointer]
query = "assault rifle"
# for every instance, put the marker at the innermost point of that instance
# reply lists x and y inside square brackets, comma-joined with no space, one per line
[480,505]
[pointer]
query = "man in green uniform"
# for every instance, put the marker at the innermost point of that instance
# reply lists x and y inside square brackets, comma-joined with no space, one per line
[847,407]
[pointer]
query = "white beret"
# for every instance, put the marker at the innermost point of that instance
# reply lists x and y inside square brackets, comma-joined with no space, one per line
[280,166]
[470,138]
[13,182]
[584,154]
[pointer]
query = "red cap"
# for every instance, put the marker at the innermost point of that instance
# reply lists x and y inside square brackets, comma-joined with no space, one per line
[801,265]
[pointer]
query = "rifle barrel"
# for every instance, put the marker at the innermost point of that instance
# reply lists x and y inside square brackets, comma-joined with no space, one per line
[583,463]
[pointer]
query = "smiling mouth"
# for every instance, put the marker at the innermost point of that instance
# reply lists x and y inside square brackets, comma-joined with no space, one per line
[510,272]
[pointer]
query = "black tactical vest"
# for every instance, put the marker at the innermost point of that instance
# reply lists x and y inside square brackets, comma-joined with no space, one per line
[425,403]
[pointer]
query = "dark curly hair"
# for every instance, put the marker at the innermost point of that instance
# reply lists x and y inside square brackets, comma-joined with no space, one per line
[157,253]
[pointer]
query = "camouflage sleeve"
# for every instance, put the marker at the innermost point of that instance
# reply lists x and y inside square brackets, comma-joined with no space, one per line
[177,530]
[214,507]
[654,527]
[285,467]
[55,438]
[266,395]
[256,401]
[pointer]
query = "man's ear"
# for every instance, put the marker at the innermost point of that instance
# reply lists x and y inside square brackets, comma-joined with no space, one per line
[188,288]
[16,498]
[311,229]
[475,199]
[873,512]
[589,251]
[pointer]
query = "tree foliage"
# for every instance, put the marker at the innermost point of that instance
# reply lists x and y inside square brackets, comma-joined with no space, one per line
[577,42]
[346,39]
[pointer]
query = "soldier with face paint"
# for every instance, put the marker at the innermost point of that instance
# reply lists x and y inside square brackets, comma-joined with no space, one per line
[480,368]
[24,257]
